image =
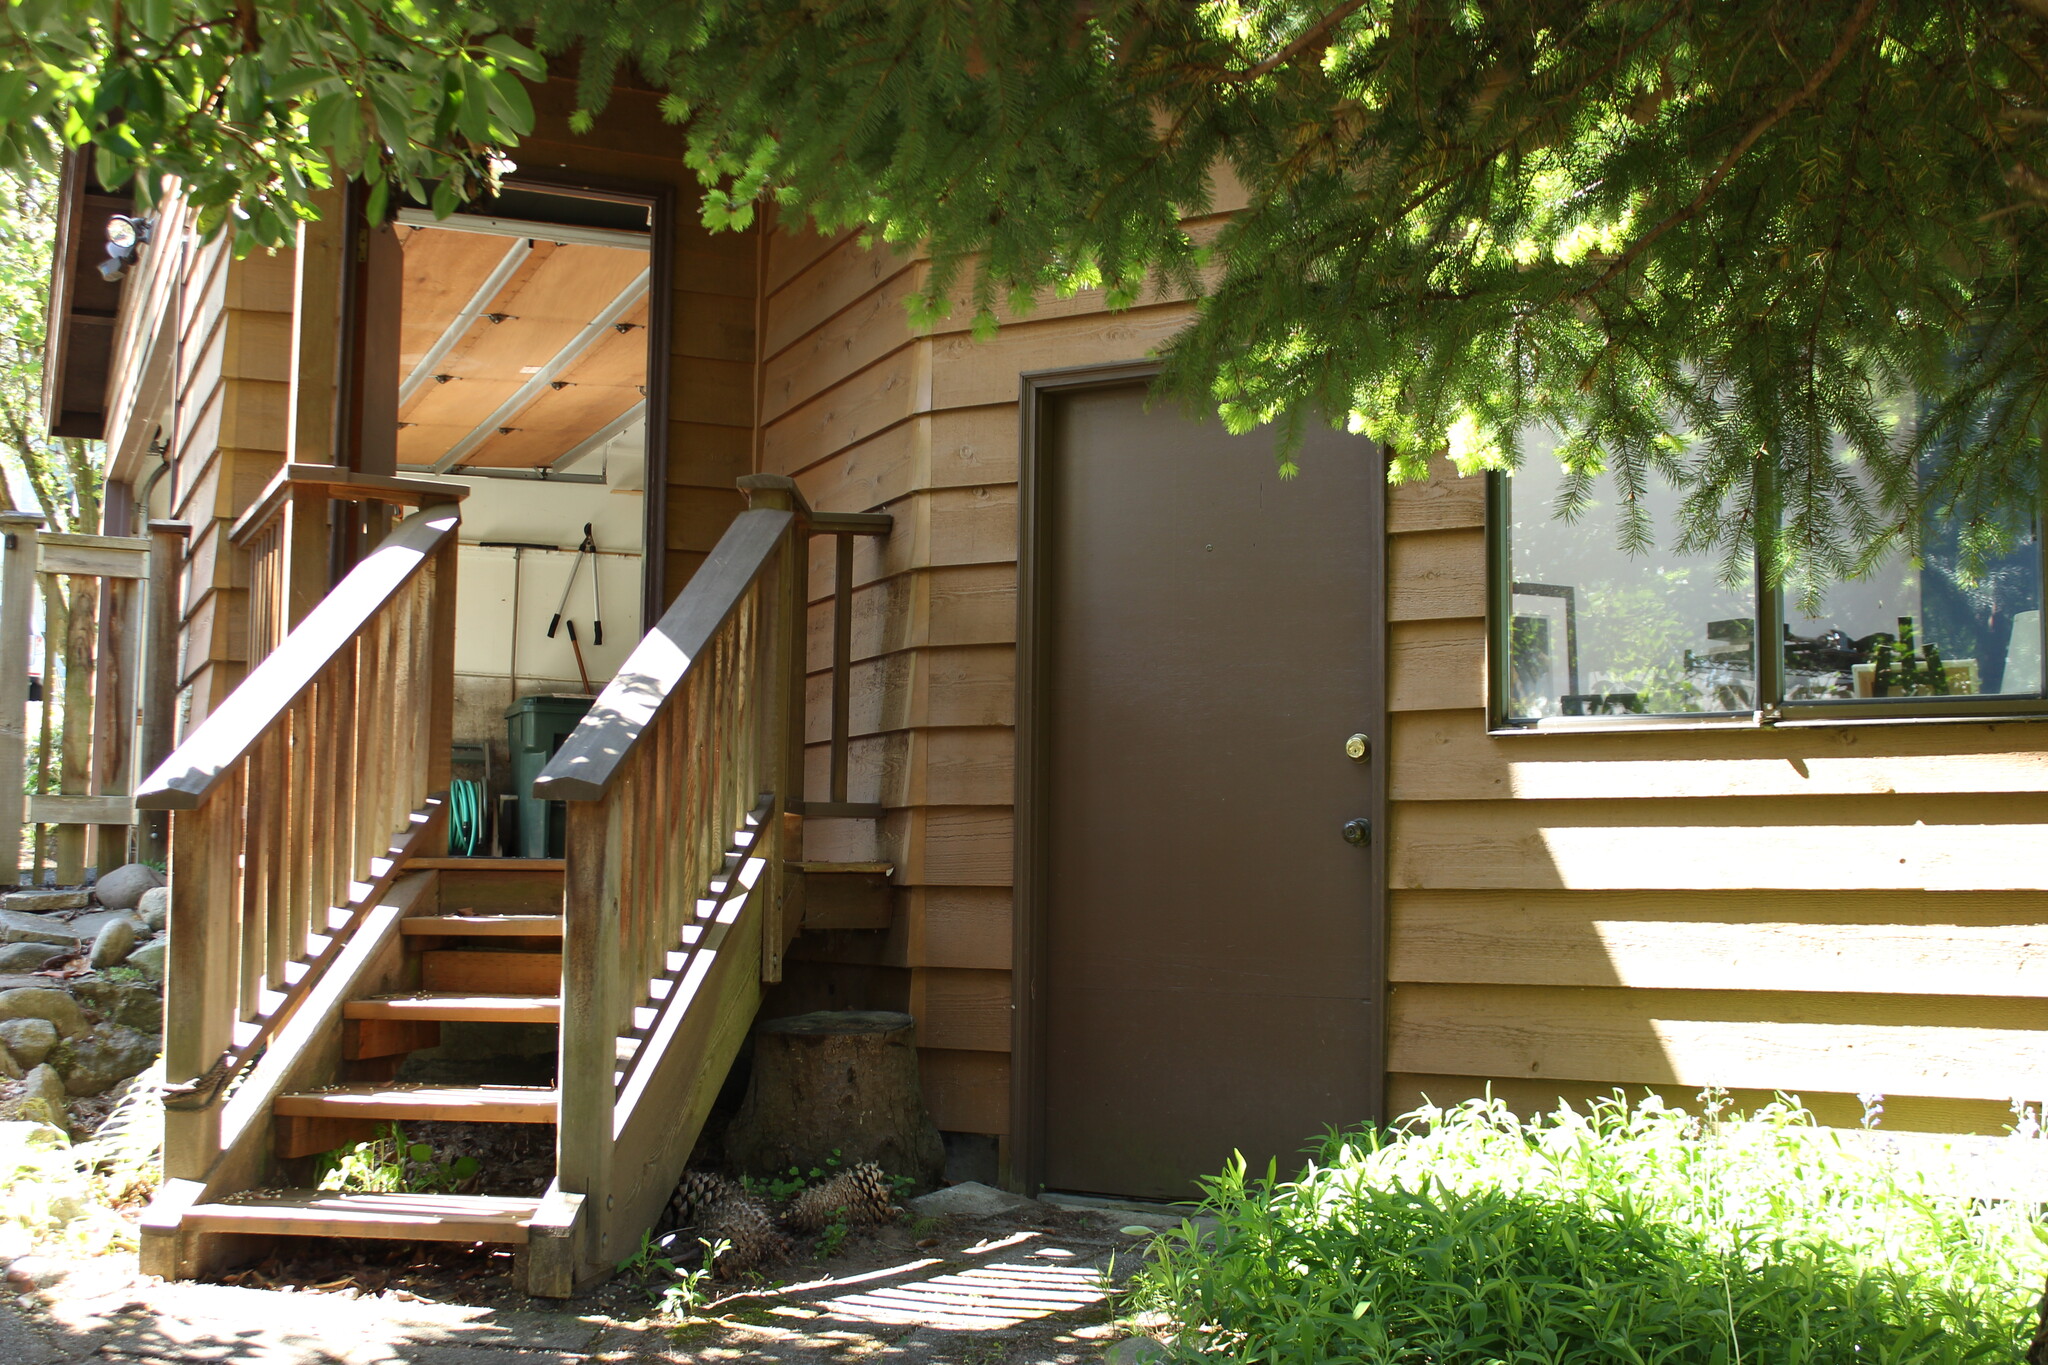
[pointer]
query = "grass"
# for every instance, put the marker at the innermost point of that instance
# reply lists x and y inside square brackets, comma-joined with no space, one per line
[1630,1234]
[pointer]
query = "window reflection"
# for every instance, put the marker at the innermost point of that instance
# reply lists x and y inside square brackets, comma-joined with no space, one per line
[1595,631]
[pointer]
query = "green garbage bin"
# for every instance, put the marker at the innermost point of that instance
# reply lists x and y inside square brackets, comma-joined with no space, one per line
[535,727]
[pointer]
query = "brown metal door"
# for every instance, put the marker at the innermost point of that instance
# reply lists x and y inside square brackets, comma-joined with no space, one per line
[1210,953]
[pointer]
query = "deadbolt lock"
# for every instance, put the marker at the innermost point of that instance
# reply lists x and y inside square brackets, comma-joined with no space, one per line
[1358,748]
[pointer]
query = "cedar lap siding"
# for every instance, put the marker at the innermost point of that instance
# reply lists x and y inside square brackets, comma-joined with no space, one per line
[1825,910]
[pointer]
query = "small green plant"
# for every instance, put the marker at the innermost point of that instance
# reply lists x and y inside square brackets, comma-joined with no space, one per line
[648,1257]
[832,1237]
[123,974]
[1621,1233]
[687,1297]
[390,1164]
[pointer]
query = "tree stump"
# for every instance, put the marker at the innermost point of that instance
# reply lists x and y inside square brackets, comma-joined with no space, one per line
[837,1083]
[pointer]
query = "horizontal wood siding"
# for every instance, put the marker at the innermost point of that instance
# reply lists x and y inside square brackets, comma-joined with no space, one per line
[1818,910]
[868,414]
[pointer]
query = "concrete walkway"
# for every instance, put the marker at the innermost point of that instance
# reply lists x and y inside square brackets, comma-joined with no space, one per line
[1029,1289]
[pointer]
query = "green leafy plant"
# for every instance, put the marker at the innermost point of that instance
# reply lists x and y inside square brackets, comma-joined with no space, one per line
[689,1295]
[389,1163]
[648,1257]
[1624,1233]
[831,1238]
[122,974]
[779,1187]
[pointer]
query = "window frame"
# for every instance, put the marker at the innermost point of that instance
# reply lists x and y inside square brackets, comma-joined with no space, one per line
[1772,708]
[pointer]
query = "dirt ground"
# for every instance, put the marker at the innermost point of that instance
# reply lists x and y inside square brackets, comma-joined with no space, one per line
[1033,1285]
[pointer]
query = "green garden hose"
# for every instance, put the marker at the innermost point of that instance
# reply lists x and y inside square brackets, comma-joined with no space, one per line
[465,817]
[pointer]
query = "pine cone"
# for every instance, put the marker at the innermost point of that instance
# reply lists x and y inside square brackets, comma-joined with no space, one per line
[752,1237]
[858,1195]
[696,1194]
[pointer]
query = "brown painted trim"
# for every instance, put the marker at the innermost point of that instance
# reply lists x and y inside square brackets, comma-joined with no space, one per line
[660,200]
[1028,920]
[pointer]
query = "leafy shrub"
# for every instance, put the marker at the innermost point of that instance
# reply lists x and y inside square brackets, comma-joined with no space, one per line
[392,1164]
[82,1195]
[1625,1234]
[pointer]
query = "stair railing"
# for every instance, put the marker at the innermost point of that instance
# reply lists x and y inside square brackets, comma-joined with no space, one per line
[684,785]
[296,803]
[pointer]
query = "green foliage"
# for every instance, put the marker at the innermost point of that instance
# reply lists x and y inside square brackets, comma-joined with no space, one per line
[1710,242]
[255,106]
[792,1182]
[832,1237]
[1617,1235]
[76,1195]
[391,1164]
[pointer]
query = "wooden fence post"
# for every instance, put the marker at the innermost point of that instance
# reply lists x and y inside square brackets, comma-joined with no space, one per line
[18,590]
[115,695]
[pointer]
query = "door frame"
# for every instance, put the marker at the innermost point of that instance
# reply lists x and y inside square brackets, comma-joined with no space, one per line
[1029,920]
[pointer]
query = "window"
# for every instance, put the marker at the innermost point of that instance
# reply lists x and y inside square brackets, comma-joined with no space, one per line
[1583,629]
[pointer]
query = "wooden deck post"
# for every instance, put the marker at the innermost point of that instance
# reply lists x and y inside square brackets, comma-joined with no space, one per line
[17,610]
[116,692]
[159,669]
[590,1013]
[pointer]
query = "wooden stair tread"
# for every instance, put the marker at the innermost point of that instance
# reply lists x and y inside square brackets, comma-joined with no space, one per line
[487,864]
[457,1103]
[455,1007]
[484,926]
[851,869]
[408,1217]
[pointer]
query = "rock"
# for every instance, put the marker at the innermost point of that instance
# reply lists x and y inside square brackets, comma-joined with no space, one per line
[122,888]
[969,1200]
[149,959]
[121,1002]
[28,1041]
[17,927]
[27,957]
[9,1068]
[41,902]
[102,1057]
[155,906]
[116,940]
[1134,1351]
[40,1002]
[41,1100]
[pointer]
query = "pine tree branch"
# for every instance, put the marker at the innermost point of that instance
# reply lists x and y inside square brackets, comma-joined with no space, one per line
[1850,33]
[1315,37]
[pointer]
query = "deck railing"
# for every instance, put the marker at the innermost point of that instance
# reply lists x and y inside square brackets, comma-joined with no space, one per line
[296,803]
[684,785]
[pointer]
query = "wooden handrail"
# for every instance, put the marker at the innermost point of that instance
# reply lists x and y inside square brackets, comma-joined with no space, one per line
[226,736]
[297,802]
[588,762]
[342,485]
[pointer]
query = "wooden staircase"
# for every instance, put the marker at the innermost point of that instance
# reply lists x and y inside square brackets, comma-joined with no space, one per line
[497,962]
[319,940]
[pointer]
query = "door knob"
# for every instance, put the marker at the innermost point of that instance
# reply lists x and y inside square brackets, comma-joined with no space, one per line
[1358,748]
[1358,833]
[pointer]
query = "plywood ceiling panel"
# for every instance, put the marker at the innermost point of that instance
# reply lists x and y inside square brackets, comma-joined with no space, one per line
[553,295]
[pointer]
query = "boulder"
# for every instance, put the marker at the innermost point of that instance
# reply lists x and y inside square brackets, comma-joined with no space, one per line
[28,1041]
[41,1100]
[149,959]
[41,902]
[155,906]
[121,1002]
[122,888]
[18,927]
[102,1057]
[27,957]
[40,1002]
[970,1199]
[115,941]
[9,1068]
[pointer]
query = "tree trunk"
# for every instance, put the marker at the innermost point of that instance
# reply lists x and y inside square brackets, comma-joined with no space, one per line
[835,1086]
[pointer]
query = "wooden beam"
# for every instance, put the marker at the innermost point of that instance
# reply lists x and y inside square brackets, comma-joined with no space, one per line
[81,810]
[18,557]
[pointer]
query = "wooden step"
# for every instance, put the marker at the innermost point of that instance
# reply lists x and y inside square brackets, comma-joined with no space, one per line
[452,1007]
[498,970]
[486,864]
[453,1103]
[403,1217]
[484,926]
